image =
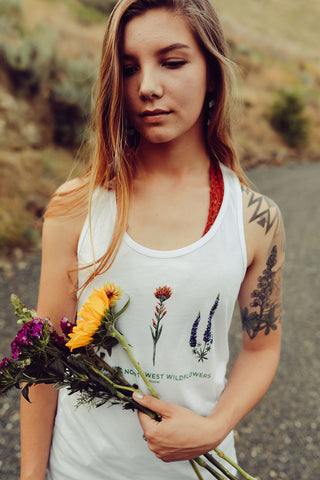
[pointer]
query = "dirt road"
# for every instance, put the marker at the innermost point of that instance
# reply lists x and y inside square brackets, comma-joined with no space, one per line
[280,438]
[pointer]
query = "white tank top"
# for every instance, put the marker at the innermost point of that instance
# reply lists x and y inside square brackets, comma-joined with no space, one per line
[189,364]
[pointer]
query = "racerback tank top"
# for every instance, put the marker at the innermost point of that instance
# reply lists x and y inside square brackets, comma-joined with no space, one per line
[197,285]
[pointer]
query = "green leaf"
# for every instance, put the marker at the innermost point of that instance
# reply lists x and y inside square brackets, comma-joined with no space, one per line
[152,333]
[58,367]
[116,315]
[25,392]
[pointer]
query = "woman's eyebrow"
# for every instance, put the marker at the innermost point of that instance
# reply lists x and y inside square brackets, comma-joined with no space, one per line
[174,46]
[162,51]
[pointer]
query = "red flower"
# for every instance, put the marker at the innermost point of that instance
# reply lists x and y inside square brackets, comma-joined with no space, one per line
[163,293]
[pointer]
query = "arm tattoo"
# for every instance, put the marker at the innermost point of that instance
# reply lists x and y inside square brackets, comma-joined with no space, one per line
[262,213]
[264,318]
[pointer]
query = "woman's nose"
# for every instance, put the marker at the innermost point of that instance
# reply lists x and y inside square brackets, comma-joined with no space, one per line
[150,85]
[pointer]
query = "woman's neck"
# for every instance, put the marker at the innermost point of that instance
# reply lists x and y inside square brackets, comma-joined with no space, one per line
[170,159]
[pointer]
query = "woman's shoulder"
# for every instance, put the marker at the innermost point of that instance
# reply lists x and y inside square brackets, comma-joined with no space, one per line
[260,209]
[71,186]
[70,199]
[66,213]
[263,222]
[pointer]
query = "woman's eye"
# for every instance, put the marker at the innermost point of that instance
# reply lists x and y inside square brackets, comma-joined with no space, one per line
[173,64]
[129,70]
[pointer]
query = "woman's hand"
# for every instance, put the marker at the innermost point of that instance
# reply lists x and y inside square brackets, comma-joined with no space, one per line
[181,434]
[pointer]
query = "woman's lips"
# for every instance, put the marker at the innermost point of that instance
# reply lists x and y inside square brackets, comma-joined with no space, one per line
[154,115]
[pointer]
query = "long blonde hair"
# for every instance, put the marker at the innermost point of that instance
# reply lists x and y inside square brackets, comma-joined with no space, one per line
[113,161]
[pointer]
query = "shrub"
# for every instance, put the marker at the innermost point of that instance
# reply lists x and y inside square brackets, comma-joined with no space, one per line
[288,118]
[70,101]
[29,62]
[17,230]
[90,12]
[104,6]
[10,16]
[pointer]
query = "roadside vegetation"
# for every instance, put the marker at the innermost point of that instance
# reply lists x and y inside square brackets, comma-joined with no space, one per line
[49,53]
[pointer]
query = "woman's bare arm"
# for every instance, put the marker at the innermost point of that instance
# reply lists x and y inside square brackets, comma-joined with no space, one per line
[182,434]
[56,298]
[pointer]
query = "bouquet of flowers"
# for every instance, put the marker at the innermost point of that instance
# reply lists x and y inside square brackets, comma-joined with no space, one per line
[77,361]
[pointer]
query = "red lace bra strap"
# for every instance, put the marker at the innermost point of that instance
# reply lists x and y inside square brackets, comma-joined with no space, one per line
[216,194]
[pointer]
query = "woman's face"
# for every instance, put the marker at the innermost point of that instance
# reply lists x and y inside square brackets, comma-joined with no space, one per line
[165,78]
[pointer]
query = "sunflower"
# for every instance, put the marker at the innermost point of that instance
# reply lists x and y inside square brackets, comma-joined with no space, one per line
[91,316]
[112,292]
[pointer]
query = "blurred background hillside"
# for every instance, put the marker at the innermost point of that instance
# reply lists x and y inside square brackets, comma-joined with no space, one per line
[49,55]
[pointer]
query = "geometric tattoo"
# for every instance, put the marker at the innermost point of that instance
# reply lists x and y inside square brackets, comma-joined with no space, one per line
[263,217]
[264,318]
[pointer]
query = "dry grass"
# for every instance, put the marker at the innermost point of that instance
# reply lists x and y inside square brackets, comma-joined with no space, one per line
[276,45]
[74,39]
[28,179]
[287,27]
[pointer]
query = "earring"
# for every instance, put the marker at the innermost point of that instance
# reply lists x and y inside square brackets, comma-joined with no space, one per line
[210,106]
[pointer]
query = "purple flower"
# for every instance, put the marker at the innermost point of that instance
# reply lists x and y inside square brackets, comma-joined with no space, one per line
[193,336]
[23,335]
[214,307]
[15,349]
[29,331]
[4,363]
[66,326]
[36,330]
[58,339]
[207,336]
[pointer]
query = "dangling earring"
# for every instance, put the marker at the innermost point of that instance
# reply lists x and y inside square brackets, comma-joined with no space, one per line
[211,105]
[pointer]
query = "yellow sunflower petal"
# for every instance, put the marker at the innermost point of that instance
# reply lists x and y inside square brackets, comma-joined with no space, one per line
[113,293]
[78,339]
[92,313]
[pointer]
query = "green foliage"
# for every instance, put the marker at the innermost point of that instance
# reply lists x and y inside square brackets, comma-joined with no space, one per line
[30,62]
[91,11]
[70,101]
[104,6]
[33,66]
[288,118]
[17,231]
[10,16]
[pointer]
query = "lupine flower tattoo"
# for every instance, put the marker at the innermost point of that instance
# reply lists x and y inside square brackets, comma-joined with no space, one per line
[162,294]
[263,318]
[201,350]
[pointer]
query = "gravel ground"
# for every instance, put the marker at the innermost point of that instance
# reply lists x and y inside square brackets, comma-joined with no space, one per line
[280,438]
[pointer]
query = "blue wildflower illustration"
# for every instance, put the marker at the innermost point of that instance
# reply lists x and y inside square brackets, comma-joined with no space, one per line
[201,349]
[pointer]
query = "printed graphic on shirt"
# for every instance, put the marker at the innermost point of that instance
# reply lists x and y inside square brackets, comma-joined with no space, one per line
[157,377]
[201,349]
[162,294]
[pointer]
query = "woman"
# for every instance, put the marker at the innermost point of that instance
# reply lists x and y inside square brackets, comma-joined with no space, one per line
[172,221]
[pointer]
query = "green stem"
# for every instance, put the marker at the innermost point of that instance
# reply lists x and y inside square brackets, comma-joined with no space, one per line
[121,339]
[115,385]
[218,465]
[122,396]
[196,469]
[111,370]
[126,348]
[213,472]
[139,407]
[234,465]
